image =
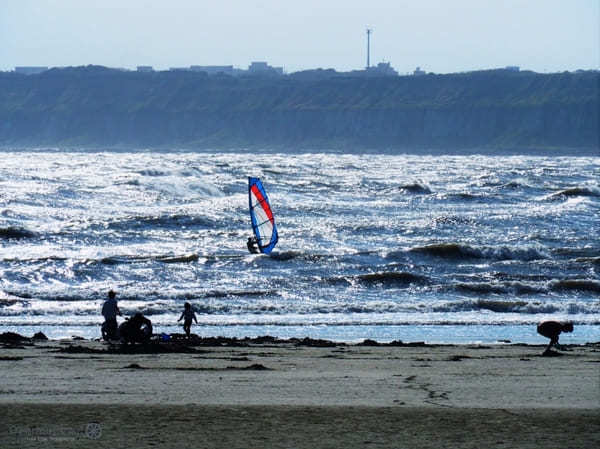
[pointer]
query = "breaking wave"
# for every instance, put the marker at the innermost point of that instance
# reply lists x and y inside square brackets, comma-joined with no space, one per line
[497,306]
[577,191]
[523,289]
[583,285]
[415,189]
[515,288]
[161,222]
[460,251]
[15,233]
[387,278]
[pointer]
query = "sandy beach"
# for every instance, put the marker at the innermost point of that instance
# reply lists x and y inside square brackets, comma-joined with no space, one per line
[289,394]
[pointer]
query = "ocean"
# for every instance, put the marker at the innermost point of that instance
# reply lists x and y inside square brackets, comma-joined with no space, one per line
[439,249]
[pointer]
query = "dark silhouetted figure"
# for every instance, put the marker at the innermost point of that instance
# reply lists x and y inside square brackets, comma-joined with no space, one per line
[137,329]
[188,315]
[110,310]
[551,330]
[252,244]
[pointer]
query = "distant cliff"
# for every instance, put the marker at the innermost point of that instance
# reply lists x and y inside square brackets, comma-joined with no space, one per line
[487,110]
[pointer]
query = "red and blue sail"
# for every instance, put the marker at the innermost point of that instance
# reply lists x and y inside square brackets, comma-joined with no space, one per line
[261,215]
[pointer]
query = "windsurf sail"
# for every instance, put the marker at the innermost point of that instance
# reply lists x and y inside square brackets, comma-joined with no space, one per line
[261,215]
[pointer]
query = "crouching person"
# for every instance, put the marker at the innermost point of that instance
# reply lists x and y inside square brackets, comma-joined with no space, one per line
[551,330]
[137,329]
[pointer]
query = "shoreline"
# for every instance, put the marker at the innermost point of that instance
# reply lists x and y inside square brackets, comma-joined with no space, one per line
[179,339]
[350,334]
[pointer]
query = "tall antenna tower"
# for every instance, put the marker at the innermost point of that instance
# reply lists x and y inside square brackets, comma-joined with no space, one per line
[369,31]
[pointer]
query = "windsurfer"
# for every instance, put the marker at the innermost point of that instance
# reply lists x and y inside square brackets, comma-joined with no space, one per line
[264,236]
[252,244]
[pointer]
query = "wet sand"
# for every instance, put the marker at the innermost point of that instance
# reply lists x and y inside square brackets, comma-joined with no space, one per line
[287,394]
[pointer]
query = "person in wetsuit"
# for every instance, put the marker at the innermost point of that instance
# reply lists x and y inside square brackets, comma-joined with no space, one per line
[252,244]
[551,330]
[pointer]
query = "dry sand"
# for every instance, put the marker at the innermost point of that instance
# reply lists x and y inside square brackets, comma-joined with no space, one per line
[284,395]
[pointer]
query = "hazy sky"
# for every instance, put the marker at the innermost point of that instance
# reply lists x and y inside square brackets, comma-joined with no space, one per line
[438,35]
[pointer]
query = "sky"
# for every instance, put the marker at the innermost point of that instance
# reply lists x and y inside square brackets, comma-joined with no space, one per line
[441,36]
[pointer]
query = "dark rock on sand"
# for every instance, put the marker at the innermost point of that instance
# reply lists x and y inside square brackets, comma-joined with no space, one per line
[72,349]
[149,348]
[374,343]
[39,336]
[180,343]
[458,358]
[266,339]
[368,342]
[134,366]
[314,343]
[12,337]
[253,367]
[256,367]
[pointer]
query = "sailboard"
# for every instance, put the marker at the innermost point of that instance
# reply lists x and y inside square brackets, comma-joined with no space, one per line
[261,216]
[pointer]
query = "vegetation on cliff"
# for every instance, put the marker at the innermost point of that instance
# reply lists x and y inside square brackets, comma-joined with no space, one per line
[493,110]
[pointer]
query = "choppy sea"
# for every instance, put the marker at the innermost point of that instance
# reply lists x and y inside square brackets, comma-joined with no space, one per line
[441,249]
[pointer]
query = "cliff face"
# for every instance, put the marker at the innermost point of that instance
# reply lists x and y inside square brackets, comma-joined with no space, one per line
[494,110]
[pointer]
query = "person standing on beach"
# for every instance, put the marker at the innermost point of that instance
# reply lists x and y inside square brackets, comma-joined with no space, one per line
[551,330]
[188,315]
[110,310]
